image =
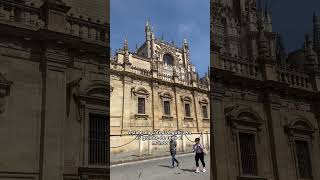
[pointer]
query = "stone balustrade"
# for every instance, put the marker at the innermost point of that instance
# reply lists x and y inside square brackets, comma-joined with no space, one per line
[140,71]
[26,15]
[183,81]
[242,67]
[165,77]
[294,78]
[87,28]
[116,66]
[20,13]
[203,86]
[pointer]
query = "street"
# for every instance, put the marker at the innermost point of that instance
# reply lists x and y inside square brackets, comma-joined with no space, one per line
[160,169]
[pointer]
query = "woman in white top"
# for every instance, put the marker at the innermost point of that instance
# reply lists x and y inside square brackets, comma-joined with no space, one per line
[200,151]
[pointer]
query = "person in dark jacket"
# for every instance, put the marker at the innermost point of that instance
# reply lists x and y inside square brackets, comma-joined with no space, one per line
[173,150]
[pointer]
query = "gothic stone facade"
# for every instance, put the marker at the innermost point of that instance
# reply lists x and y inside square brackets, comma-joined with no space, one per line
[156,88]
[53,89]
[265,104]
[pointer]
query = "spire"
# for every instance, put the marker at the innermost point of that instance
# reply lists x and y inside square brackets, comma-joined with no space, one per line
[267,8]
[262,41]
[148,34]
[147,27]
[280,50]
[260,17]
[309,52]
[316,33]
[185,44]
[125,44]
[126,51]
[185,41]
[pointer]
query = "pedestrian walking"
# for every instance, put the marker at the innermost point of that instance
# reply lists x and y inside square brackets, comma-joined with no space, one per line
[200,152]
[173,150]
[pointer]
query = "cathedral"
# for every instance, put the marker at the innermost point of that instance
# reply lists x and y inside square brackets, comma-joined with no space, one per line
[54,89]
[265,103]
[156,89]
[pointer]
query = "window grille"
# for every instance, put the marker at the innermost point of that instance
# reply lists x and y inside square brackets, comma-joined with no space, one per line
[204,111]
[303,158]
[187,110]
[98,137]
[141,105]
[248,153]
[166,105]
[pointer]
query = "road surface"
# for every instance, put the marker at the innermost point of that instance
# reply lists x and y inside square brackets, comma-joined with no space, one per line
[160,169]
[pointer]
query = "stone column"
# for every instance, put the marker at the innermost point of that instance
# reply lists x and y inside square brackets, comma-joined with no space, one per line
[127,101]
[54,115]
[197,110]
[156,105]
[141,146]
[183,143]
[219,167]
[277,139]
[150,147]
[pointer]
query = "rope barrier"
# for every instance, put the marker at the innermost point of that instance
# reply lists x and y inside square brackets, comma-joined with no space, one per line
[189,139]
[125,143]
[135,138]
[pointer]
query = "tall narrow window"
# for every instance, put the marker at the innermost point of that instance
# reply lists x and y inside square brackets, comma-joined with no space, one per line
[248,153]
[98,139]
[187,110]
[303,158]
[141,105]
[204,112]
[166,106]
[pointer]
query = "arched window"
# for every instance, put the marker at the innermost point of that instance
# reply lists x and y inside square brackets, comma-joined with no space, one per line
[168,59]
[246,125]
[300,133]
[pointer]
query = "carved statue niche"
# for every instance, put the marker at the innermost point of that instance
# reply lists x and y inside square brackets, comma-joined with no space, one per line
[5,86]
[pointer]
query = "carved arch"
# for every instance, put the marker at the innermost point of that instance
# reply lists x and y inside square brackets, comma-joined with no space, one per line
[186,98]
[204,101]
[244,116]
[300,126]
[97,91]
[165,94]
[140,91]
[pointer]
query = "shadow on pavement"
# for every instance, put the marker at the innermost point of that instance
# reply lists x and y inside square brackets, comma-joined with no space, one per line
[189,170]
[167,166]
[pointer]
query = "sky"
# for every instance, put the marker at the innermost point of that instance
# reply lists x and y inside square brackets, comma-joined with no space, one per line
[174,19]
[293,19]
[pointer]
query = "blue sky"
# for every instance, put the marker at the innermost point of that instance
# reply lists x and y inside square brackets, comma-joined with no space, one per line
[175,19]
